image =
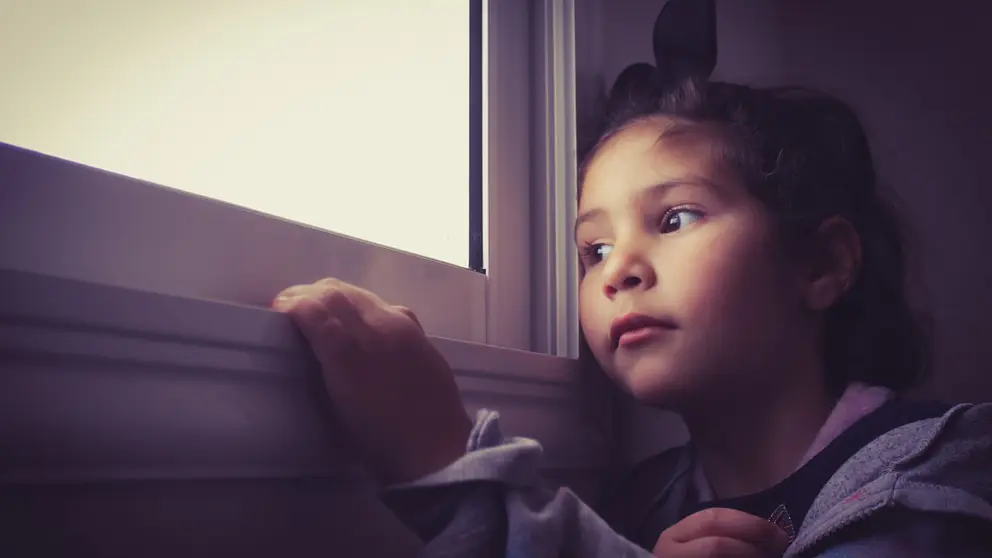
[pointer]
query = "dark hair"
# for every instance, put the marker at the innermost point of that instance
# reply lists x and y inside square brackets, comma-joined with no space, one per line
[805,155]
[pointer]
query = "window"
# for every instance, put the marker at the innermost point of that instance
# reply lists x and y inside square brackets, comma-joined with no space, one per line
[148,274]
[341,115]
[329,114]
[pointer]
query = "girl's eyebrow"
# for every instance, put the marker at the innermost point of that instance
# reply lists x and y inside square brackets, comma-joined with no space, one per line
[662,188]
[585,217]
[654,191]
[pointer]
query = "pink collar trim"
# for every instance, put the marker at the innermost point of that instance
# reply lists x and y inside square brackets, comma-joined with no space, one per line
[857,401]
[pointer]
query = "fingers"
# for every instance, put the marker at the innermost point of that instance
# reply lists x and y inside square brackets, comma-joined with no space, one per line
[360,298]
[409,314]
[392,390]
[327,317]
[730,524]
[325,333]
[339,297]
[328,287]
[722,547]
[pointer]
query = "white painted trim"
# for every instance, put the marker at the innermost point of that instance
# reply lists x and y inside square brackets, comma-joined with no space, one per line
[509,301]
[556,329]
[105,382]
[67,220]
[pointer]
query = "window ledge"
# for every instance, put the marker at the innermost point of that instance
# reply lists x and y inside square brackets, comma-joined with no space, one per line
[103,382]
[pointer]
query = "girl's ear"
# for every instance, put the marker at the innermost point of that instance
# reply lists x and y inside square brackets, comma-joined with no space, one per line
[834,265]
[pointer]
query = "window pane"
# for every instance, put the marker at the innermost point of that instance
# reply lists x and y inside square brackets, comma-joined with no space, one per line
[348,115]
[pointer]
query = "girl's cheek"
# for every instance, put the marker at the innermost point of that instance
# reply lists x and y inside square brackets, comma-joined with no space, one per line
[594,321]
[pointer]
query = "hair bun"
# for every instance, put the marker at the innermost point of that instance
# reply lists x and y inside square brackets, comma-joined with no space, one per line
[636,82]
[684,42]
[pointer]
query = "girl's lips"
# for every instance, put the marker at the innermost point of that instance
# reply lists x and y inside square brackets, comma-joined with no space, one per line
[630,329]
[641,335]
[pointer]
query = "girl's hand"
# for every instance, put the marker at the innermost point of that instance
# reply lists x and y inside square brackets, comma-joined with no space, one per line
[722,533]
[392,390]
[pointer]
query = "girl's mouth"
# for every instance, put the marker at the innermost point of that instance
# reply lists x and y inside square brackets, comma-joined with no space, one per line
[639,336]
[634,329]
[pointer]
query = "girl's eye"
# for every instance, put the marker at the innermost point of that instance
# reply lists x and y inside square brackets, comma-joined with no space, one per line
[592,254]
[679,218]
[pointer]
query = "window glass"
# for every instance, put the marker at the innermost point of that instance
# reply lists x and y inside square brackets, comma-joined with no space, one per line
[347,115]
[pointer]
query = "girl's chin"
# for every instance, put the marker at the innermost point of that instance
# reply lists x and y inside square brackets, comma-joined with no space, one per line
[658,384]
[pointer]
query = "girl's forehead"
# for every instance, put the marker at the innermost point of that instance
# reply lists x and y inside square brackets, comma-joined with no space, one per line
[641,156]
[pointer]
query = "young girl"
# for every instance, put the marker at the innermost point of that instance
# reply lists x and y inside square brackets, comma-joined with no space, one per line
[739,268]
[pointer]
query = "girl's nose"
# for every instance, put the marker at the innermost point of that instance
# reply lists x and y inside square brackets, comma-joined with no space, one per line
[632,271]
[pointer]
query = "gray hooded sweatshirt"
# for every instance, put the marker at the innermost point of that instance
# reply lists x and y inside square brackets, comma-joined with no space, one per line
[923,489]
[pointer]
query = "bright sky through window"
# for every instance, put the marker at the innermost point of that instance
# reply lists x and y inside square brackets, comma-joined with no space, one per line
[350,116]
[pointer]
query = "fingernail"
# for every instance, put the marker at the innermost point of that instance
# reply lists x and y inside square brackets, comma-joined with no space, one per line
[284,300]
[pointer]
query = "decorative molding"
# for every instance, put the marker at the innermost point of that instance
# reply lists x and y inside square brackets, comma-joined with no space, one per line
[106,382]
[555,257]
[509,298]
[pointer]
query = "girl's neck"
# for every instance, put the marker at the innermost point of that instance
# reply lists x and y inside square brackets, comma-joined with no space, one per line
[754,442]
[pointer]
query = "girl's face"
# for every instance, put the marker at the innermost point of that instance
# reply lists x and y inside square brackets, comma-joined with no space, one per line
[666,234]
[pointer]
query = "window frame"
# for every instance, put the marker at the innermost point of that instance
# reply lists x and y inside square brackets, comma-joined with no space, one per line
[86,235]
[510,139]
[530,92]
[555,265]
[537,310]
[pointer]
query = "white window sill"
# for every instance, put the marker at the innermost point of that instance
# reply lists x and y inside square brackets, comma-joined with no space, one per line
[104,382]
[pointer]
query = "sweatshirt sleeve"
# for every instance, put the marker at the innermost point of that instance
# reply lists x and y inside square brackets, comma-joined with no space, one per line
[493,503]
[914,534]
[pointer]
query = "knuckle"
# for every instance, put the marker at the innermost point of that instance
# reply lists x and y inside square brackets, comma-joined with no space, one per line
[714,548]
[406,311]
[710,517]
[664,546]
[394,328]
[330,329]
[334,298]
[307,313]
